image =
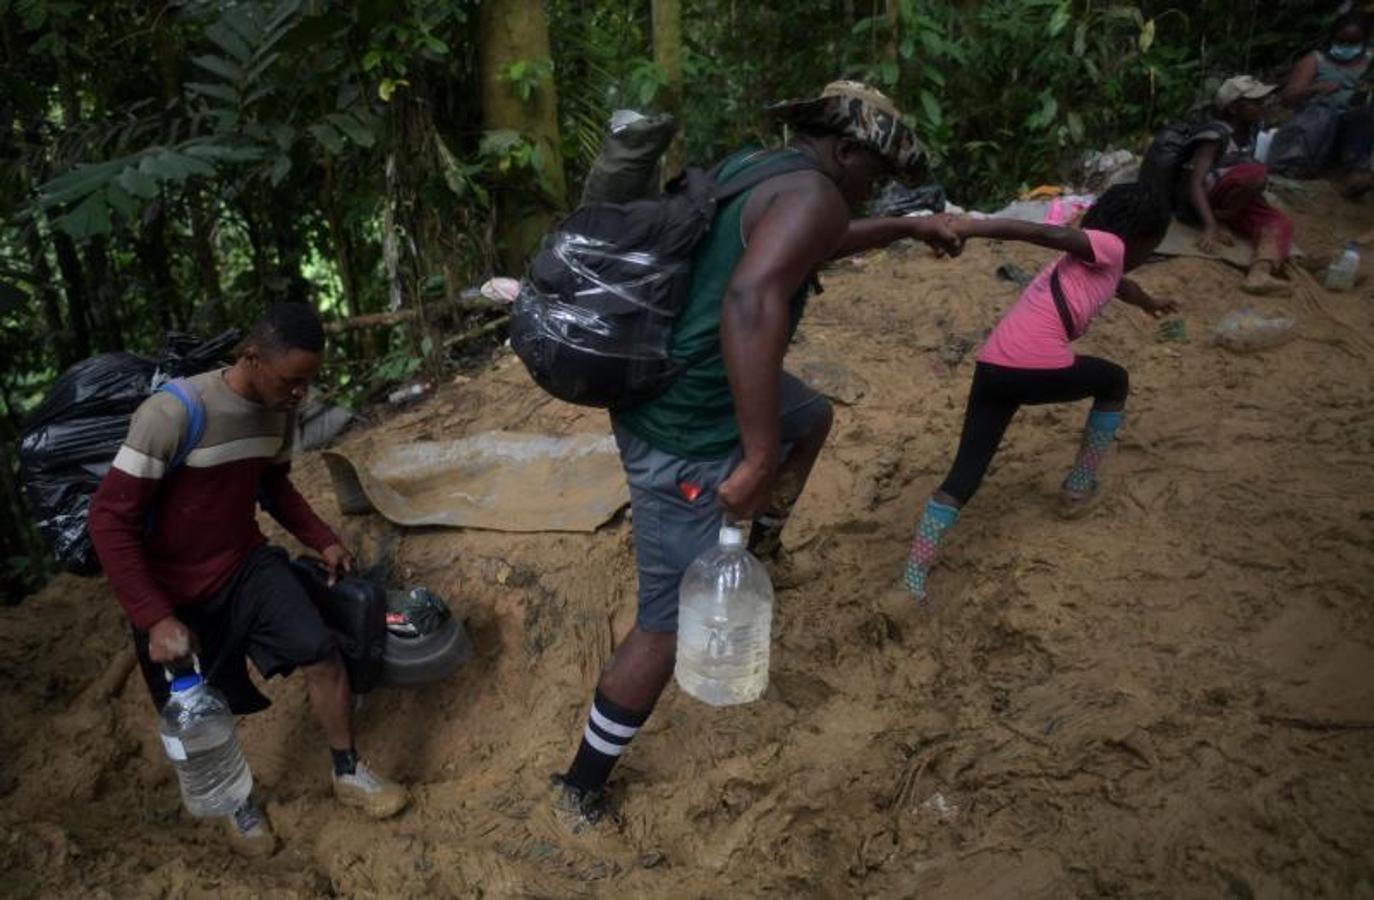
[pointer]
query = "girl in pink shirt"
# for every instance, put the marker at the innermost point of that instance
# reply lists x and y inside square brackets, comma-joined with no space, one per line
[1027,359]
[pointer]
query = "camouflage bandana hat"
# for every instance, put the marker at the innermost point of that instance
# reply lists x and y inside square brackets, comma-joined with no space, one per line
[855,110]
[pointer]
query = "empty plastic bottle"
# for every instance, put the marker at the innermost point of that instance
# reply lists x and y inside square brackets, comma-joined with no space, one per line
[1340,275]
[199,737]
[725,621]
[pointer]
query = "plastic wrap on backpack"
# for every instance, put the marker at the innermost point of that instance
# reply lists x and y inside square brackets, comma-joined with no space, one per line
[633,315]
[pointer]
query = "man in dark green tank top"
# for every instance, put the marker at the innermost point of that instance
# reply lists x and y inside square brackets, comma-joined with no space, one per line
[735,435]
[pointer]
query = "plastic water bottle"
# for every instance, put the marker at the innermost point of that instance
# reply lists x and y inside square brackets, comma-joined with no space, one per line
[199,737]
[1340,275]
[725,620]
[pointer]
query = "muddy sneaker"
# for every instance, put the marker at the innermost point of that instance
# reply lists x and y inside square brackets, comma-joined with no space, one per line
[250,834]
[364,789]
[579,809]
[1260,283]
[1076,504]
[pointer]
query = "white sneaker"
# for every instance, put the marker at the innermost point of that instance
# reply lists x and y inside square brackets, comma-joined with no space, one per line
[364,789]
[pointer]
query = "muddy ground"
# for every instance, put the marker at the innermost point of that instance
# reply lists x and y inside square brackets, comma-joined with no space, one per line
[1171,698]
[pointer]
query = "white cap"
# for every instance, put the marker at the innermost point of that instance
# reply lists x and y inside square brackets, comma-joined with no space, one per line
[731,536]
[1242,86]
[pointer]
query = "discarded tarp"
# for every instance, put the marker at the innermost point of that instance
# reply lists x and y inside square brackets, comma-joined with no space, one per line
[501,481]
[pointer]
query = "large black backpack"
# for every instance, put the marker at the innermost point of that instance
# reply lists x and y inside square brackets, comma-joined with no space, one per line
[593,323]
[1172,146]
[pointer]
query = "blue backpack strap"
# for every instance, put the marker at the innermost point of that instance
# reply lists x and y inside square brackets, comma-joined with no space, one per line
[183,390]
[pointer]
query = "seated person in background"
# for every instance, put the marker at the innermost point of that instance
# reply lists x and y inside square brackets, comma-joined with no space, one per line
[1221,184]
[1332,127]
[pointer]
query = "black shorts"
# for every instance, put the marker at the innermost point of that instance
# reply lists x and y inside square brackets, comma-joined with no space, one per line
[264,614]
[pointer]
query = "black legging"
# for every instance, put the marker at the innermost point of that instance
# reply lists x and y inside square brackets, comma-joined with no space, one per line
[999,391]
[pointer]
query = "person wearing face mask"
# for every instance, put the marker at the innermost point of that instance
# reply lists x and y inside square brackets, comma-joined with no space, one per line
[1332,127]
[178,538]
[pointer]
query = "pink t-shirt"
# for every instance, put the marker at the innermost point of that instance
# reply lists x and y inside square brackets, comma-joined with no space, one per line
[1031,334]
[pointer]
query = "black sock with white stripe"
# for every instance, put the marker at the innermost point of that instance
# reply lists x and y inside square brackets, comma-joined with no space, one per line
[609,730]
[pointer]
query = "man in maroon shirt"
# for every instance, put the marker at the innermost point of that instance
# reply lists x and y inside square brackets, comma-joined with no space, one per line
[181,546]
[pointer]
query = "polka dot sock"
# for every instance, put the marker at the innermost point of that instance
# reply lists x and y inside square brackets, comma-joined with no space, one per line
[935,521]
[1097,437]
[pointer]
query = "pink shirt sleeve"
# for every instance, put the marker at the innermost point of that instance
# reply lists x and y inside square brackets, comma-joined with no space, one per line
[1031,334]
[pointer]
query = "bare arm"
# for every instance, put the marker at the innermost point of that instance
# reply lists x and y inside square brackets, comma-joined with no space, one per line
[1055,237]
[867,234]
[1130,292]
[1203,157]
[800,229]
[1302,84]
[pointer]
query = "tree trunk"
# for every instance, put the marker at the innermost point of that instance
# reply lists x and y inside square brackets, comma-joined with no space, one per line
[151,248]
[891,56]
[103,295]
[211,315]
[667,20]
[74,281]
[48,300]
[516,31]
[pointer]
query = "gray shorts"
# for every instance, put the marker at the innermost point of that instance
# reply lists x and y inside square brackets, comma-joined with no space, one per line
[671,530]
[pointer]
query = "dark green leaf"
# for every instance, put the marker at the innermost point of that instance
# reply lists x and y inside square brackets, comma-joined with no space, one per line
[931,107]
[78,183]
[229,41]
[136,183]
[91,217]
[120,201]
[328,137]
[220,66]
[218,91]
[227,154]
[357,132]
[281,167]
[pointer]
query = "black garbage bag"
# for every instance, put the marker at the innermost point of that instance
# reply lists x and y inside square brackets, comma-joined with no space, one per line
[69,441]
[898,200]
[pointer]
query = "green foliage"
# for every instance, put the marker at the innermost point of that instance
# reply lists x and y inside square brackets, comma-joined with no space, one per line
[527,75]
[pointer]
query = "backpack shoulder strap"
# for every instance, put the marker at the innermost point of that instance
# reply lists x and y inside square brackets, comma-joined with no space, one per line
[1061,303]
[781,164]
[184,391]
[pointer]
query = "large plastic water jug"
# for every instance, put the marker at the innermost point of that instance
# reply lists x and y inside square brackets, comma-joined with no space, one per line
[200,739]
[725,620]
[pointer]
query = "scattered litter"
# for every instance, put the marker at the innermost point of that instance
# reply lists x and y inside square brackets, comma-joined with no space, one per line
[1044,192]
[410,393]
[1059,210]
[415,612]
[899,200]
[1249,330]
[955,347]
[1100,170]
[500,290]
[318,423]
[1172,331]
[1340,274]
[834,381]
[943,809]
[1015,274]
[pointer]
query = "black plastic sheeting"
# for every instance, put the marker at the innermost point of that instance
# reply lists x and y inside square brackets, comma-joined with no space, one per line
[70,440]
